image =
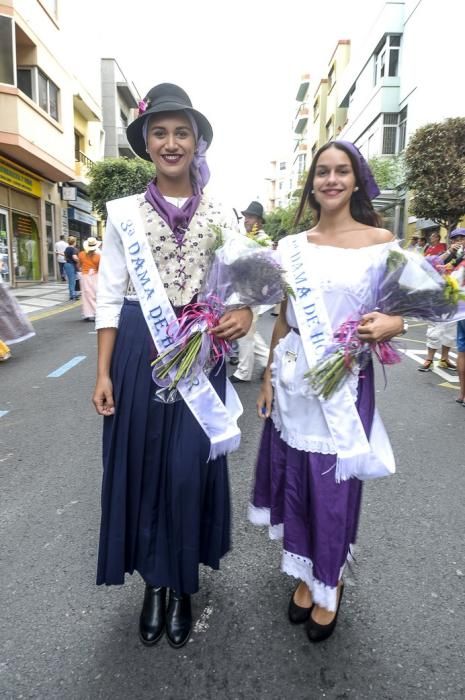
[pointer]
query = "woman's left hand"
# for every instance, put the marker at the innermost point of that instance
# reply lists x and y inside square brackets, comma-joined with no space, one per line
[376,327]
[234,324]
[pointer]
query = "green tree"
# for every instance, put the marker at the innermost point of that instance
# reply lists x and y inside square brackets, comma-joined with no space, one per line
[435,160]
[281,222]
[117,177]
[388,171]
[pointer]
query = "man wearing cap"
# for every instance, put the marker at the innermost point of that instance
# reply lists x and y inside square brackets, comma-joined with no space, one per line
[252,344]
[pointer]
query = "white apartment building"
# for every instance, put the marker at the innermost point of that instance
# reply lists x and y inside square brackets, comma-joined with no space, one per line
[286,172]
[278,184]
[403,74]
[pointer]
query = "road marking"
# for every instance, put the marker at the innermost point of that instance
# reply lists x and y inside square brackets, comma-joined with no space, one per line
[447,385]
[53,312]
[3,413]
[411,340]
[67,366]
[419,356]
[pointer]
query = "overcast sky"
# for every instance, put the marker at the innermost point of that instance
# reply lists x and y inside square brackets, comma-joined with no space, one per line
[240,62]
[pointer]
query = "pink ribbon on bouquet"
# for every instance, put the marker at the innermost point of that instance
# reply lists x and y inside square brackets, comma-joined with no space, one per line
[197,317]
[346,338]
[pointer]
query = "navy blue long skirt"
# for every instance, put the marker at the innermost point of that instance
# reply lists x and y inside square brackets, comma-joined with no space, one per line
[165,509]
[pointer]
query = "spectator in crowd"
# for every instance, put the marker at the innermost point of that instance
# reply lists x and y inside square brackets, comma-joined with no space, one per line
[435,246]
[60,247]
[421,244]
[71,266]
[412,243]
[252,345]
[461,360]
[442,336]
[89,260]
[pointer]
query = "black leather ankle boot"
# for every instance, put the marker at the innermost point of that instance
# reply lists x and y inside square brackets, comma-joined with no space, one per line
[178,619]
[153,615]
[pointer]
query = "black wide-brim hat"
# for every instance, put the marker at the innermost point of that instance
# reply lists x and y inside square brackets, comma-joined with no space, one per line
[165,97]
[254,209]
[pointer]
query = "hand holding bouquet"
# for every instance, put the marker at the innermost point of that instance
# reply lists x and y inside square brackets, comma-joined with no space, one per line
[242,273]
[406,285]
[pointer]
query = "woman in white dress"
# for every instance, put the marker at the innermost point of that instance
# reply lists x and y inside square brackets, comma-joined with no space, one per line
[311,447]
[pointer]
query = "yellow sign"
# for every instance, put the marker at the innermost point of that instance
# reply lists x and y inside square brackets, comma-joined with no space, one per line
[21,179]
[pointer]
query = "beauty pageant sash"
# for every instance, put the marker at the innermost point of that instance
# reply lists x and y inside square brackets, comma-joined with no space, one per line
[355,456]
[218,421]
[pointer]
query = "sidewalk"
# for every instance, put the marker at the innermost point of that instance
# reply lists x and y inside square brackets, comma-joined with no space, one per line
[42,297]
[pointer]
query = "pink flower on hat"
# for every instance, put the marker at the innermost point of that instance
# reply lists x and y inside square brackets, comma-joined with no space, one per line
[142,104]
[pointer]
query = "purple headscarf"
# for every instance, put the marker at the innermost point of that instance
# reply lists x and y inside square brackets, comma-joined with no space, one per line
[366,175]
[199,170]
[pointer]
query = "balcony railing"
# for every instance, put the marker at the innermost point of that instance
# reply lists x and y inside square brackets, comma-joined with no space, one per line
[81,157]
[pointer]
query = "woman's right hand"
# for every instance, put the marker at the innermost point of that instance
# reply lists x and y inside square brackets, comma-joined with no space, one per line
[103,397]
[265,397]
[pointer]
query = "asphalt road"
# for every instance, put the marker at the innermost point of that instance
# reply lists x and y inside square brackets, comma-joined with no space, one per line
[401,630]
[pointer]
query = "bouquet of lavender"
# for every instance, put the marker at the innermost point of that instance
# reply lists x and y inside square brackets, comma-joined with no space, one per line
[242,273]
[407,285]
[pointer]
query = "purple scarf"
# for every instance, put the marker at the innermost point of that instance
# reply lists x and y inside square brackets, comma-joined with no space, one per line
[369,182]
[177,218]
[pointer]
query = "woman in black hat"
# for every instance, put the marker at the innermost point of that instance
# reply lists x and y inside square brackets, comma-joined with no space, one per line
[165,503]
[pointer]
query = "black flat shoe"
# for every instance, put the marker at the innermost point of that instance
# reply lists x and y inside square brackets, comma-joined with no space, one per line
[236,380]
[178,619]
[318,633]
[153,615]
[296,614]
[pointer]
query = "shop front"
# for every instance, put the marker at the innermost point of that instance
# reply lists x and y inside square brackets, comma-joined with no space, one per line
[20,243]
[81,223]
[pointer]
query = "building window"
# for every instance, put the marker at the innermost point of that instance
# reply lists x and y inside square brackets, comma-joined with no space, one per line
[36,85]
[331,78]
[7,70]
[351,94]
[301,163]
[77,146]
[43,91]
[124,119]
[386,58]
[24,81]
[316,109]
[330,130]
[389,134]
[48,95]
[394,50]
[282,165]
[402,129]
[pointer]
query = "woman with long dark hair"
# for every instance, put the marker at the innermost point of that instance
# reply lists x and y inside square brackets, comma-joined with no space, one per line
[308,441]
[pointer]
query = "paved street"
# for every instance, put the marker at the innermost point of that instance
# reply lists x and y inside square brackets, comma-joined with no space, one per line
[401,630]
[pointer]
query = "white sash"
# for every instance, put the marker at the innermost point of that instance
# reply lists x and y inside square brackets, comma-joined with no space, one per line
[355,456]
[218,421]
